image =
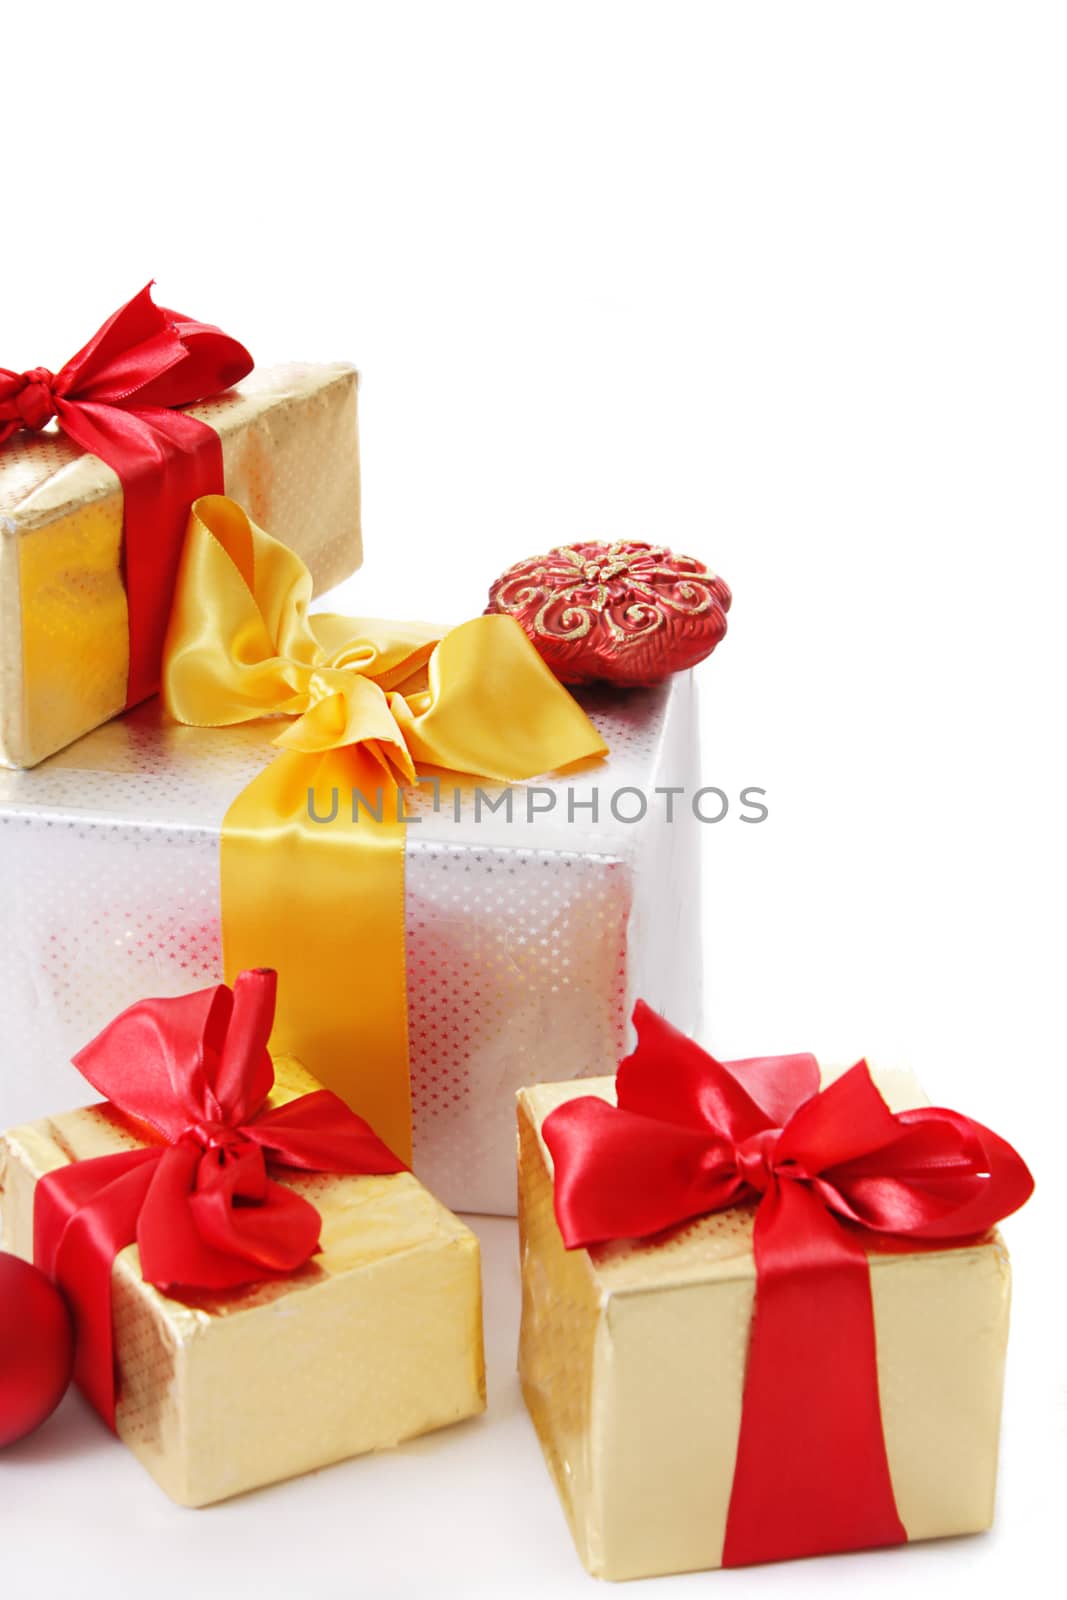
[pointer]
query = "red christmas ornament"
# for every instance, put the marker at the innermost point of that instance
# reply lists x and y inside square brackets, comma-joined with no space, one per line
[626,613]
[36,1348]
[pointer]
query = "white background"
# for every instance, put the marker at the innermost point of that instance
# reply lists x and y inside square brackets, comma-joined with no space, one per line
[783,286]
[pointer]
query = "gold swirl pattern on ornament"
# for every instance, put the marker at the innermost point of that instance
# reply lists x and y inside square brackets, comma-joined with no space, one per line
[640,621]
[628,592]
[575,621]
[692,600]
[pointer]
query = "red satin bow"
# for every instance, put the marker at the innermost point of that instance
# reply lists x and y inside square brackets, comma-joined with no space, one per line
[115,399]
[692,1135]
[199,1203]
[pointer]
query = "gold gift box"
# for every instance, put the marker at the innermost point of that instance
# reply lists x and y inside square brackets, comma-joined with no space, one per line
[377,1339]
[632,1359]
[290,449]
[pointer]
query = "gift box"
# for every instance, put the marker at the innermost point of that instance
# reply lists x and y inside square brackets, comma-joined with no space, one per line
[526,939]
[686,1428]
[376,1338]
[290,453]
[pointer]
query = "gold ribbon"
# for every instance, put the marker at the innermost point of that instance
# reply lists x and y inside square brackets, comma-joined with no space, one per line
[373,702]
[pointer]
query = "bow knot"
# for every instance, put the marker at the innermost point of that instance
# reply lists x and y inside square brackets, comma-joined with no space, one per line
[755,1157]
[216,1136]
[323,684]
[27,400]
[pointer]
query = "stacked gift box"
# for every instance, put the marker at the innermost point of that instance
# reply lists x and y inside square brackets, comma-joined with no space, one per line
[521,937]
[314,916]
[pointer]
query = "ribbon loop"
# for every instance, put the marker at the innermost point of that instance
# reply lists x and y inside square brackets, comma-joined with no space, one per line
[831,1172]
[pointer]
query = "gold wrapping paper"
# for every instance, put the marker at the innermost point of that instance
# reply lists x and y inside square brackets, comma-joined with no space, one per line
[377,1339]
[291,455]
[632,1359]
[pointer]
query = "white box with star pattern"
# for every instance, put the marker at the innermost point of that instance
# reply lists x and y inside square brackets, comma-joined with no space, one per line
[528,939]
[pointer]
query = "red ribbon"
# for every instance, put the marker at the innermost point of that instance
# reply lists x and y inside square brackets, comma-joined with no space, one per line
[115,399]
[692,1135]
[198,1199]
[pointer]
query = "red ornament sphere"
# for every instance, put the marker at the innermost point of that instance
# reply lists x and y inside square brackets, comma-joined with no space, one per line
[626,613]
[36,1348]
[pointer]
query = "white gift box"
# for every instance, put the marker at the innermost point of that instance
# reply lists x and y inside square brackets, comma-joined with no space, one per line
[531,928]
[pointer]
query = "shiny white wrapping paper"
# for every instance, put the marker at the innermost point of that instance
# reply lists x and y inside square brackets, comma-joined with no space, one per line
[527,942]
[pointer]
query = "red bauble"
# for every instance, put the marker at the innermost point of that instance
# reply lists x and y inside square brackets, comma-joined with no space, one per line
[626,613]
[36,1348]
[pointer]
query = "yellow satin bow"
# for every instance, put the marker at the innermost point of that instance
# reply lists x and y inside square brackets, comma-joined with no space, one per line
[374,703]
